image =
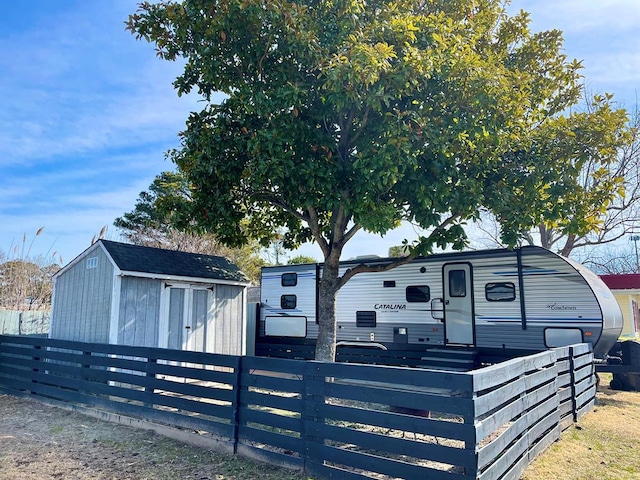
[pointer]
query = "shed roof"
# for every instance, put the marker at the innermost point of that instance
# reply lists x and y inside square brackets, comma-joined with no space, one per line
[135,258]
[628,281]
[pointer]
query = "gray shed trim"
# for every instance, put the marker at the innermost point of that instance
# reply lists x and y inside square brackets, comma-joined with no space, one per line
[175,278]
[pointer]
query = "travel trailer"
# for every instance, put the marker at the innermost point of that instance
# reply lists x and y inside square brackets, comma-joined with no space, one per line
[503,302]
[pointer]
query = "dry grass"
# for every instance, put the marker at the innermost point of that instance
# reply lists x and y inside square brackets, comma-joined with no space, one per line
[39,442]
[604,445]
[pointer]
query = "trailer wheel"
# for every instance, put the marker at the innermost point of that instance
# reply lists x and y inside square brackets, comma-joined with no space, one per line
[616,384]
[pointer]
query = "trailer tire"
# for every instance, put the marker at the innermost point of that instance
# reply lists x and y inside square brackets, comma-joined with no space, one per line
[616,384]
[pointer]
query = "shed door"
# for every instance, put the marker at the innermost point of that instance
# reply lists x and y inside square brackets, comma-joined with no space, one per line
[176,336]
[458,304]
[189,315]
[198,333]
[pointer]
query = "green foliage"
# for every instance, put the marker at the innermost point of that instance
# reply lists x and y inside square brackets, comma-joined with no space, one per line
[300,259]
[562,176]
[397,251]
[369,114]
[153,207]
[349,115]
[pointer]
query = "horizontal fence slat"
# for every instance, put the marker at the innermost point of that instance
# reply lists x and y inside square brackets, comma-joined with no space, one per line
[391,467]
[394,421]
[268,399]
[495,398]
[400,377]
[372,441]
[280,459]
[267,365]
[399,398]
[495,375]
[248,380]
[273,420]
[248,434]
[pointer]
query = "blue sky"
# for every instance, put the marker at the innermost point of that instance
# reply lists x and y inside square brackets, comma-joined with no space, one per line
[88,112]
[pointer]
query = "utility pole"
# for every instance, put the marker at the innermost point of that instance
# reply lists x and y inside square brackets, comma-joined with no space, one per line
[634,239]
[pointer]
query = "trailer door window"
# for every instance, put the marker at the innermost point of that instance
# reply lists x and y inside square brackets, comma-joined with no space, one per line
[288,302]
[457,283]
[500,292]
[418,293]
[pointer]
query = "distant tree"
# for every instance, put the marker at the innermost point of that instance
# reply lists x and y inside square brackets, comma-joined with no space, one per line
[398,251]
[300,259]
[623,258]
[26,281]
[26,285]
[601,195]
[150,224]
[275,253]
[349,116]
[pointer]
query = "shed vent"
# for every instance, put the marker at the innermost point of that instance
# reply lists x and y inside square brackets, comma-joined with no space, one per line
[92,262]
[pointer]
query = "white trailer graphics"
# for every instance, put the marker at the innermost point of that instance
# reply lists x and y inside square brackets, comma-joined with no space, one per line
[497,301]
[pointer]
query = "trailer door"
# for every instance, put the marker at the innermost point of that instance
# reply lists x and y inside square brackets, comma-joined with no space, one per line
[458,304]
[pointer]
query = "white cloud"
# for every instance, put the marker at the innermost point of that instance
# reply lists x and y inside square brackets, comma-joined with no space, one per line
[581,16]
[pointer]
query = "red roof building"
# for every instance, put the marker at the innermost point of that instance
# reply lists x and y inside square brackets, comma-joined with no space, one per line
[630,281]
[626,289]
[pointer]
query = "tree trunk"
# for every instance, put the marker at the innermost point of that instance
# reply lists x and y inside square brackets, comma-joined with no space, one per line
[328,290]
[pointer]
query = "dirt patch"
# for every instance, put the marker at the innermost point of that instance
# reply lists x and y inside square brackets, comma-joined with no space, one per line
[39,442]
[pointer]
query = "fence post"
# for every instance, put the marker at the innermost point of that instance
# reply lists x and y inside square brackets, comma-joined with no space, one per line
[85,375]
[572,376]
[236,404]
[35,369]
[150,374]
[311,416]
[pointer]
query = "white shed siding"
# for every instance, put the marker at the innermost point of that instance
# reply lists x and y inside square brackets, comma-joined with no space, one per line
[82,303]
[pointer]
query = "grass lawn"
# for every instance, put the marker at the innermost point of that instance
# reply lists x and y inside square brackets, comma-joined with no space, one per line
[604,445]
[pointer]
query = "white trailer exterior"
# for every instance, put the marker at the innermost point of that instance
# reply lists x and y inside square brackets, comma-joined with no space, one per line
[499,301]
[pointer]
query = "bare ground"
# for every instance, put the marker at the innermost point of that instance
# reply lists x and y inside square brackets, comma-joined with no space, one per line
[40,442]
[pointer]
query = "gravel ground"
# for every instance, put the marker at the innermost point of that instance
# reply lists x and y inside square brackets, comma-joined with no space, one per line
[40,442]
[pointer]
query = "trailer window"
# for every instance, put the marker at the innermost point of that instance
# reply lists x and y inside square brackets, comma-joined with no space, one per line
[288,302]
[289,279]
[500,292]
[457,283]
[418,293]
[389,283]
[366,319]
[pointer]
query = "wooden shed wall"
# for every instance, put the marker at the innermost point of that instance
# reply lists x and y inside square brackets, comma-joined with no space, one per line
[82,301]
[139,314]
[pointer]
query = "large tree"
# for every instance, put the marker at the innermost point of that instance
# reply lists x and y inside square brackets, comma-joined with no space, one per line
[349,115]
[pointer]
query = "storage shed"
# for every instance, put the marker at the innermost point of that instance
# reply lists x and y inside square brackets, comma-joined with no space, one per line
[132,295]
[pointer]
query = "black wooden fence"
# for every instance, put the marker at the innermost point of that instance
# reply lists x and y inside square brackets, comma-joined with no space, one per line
[331,420]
